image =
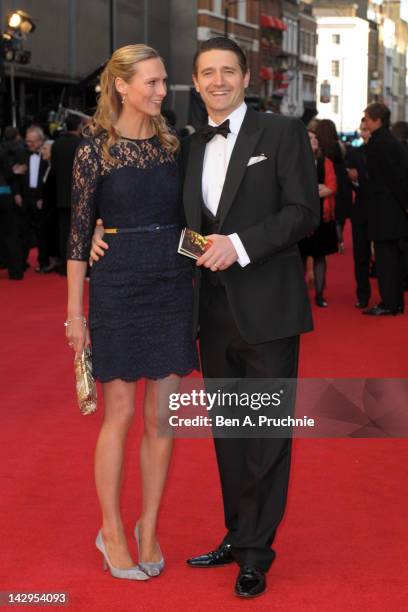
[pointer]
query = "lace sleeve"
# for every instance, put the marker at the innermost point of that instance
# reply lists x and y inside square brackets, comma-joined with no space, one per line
[84,182]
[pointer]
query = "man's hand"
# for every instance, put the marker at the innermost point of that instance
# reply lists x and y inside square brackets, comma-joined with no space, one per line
[324,192]
[19,169]
[18,200]
[98,247]
[39,204]
[220,255]
[353,174]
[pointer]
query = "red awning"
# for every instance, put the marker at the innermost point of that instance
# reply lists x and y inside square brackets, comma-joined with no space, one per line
[266,73]
[266,21]
[274,23]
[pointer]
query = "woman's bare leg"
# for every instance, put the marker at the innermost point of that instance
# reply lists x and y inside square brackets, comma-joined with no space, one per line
[119,399]
[155,454]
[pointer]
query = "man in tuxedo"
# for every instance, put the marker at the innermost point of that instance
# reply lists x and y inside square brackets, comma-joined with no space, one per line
[387,210]
[250,186]
[31,189]
[62,160]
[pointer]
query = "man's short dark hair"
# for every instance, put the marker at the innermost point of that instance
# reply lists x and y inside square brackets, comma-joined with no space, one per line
[377,110]
[222,44]
[11,133]
[400,130]
[73,122]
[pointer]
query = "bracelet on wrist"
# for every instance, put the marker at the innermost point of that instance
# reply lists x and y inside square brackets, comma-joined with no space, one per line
[69,321]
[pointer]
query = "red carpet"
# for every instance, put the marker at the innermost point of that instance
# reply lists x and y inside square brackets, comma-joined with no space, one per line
[344,542]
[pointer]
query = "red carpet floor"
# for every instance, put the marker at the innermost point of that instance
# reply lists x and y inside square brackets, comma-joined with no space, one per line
[343,545]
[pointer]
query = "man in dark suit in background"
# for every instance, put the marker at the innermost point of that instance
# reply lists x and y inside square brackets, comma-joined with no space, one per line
[62,159]
[10,242]
[356,161]
[250,186]
[400,131]
[388,204]
[30,188]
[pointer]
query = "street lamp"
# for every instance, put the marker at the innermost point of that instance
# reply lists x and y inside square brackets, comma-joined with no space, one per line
[226,16]
[20,21]
[19,25]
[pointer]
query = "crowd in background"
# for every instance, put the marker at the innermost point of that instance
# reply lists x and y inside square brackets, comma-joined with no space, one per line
[35,197]
[367,184]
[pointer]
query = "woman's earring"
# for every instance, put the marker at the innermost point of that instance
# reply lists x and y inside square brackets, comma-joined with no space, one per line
[123,98]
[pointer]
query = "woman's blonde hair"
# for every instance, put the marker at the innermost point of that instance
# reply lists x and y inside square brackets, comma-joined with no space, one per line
[123,64]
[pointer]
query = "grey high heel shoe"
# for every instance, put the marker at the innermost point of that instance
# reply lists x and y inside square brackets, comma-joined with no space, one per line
[131,573]
[151,568]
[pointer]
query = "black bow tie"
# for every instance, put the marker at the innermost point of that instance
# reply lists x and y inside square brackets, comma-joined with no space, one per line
[209,131]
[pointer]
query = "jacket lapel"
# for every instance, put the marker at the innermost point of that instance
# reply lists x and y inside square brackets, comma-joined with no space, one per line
[248,136]
[192,191]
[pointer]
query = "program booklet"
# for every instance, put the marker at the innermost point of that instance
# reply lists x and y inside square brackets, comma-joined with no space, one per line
[192,244]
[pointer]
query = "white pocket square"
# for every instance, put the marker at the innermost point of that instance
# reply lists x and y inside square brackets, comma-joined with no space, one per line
[256,160]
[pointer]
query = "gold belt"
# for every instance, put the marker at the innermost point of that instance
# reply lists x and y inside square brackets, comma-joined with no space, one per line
[137,230]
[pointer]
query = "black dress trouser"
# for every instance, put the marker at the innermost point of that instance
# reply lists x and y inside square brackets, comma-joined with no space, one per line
[254,472]
[362,258]
[389,258]
[10,237]
[34,221]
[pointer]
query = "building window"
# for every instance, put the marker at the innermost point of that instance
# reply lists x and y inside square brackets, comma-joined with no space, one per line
[305,43]
[336,39]
[290,36]
[335,104]
[217,7]
[308,43]
[335,68]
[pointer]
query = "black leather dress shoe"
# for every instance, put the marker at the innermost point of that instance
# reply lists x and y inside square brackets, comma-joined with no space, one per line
[320,301]
[216,558]
[251,582]
[361,304]
[380,311]
[50,268]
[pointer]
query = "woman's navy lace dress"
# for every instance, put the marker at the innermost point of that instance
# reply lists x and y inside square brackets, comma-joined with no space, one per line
[140,304]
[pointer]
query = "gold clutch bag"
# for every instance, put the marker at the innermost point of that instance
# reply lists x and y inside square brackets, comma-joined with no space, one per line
[85,383]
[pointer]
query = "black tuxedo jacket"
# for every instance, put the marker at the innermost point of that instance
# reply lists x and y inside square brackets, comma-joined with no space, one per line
[388,189]
[271,205]
[356,157]
[33,194]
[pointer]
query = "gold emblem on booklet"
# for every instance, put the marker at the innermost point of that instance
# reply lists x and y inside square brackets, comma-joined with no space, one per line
[192,244]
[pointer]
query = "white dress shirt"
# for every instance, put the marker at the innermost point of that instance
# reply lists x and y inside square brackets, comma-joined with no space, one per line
[216,159]
[35,159]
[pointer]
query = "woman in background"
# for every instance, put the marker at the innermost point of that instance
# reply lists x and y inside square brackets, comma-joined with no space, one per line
[333,149]
[323,241]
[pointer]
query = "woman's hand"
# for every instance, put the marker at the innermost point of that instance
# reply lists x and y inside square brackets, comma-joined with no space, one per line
[77,334]
[98,247]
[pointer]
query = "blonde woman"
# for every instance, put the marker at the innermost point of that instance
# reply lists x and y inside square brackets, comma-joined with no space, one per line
[140,308]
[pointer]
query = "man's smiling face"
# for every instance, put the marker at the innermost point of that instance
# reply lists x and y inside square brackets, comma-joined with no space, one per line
[220,82]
